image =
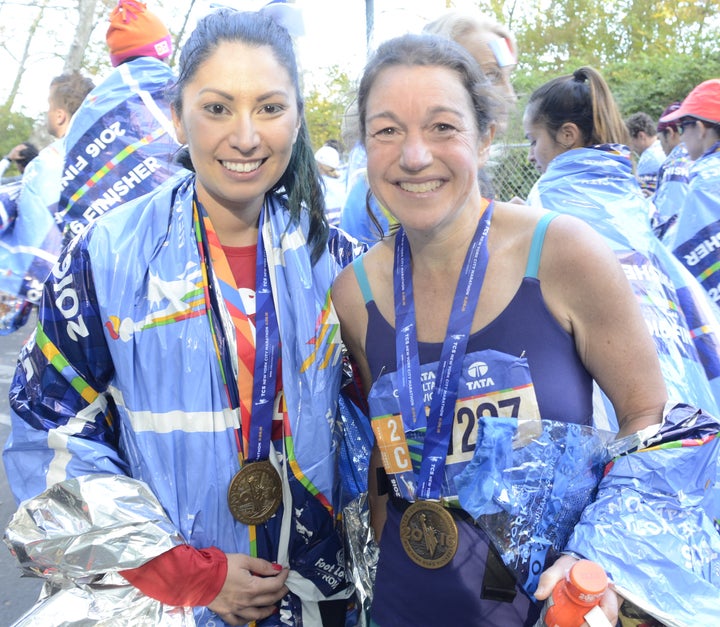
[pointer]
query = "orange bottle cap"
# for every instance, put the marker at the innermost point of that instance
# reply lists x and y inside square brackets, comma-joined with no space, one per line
[588,578]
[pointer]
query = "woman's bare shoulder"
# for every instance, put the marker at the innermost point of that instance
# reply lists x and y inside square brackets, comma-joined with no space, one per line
[566,238]
[514,217]
[513,225]
[346,292]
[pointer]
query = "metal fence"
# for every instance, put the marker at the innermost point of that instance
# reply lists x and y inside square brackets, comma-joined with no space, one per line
[511,174]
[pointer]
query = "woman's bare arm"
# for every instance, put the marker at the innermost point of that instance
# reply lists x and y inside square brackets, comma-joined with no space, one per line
[586,287]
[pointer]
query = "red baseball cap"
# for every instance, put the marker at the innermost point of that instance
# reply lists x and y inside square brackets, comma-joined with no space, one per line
[703,103]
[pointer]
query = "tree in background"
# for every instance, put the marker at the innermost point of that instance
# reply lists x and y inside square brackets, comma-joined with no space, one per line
[22,60]
[603,32]
[18,128]
[650,83]
[86,9]
[45,26]
[650,51]
[325,104]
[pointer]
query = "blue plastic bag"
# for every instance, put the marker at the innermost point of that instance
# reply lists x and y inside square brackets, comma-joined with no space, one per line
[653,525]
[528,493]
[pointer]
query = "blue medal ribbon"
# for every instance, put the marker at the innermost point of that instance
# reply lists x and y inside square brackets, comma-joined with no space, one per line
[267,343]
[267,348]
[442,406]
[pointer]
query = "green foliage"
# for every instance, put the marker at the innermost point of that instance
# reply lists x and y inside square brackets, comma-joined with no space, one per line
[650,84]
[325,105]
[644,83]
[18,128]
[650,51]
[604,32]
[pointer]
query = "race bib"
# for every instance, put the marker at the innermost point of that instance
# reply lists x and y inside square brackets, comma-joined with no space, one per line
[491,385]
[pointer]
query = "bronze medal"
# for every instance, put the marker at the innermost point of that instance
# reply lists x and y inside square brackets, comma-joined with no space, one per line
[255,493]
[428,534]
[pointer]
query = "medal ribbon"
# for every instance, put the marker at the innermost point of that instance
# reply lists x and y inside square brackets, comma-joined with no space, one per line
[442,406]
[257,353]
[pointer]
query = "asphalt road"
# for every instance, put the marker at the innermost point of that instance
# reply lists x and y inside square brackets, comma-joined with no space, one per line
[17,593]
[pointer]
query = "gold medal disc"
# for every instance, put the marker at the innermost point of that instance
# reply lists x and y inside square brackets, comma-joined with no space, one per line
[255,493]
[429,534]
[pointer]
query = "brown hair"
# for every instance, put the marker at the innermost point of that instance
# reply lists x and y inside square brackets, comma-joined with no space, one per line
[584,99]
[641,122]
[68,91]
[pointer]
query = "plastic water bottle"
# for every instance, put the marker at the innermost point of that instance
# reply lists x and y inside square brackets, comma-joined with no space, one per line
[575,596]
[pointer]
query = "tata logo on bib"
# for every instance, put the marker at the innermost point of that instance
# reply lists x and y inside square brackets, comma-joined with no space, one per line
[477,369]
[476,377]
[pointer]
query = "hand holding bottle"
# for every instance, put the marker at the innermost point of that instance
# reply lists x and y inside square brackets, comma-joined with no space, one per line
[578,595]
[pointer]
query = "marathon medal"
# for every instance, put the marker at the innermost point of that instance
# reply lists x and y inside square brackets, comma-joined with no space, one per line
[428,531]
[428,534]
[255,493]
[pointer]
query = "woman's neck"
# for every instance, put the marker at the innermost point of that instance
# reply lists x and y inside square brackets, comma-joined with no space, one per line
[445,248]
[234,225]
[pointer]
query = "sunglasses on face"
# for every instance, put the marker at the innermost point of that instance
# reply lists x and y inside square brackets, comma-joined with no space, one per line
[686,124]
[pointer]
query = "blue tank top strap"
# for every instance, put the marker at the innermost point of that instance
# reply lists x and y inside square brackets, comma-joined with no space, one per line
[533,262]
[362,279]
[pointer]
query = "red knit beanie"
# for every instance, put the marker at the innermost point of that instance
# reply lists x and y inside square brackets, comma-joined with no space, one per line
[136,32]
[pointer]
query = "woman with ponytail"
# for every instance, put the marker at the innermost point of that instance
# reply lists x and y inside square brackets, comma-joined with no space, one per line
[578,141]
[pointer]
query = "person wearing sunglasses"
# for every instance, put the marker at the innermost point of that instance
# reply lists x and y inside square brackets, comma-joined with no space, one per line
[694,239]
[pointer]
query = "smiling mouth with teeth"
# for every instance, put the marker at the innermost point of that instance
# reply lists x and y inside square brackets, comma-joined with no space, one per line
[419,188]
[241,167]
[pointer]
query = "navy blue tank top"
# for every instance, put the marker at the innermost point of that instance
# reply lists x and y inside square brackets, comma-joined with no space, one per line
[525,328]
[408,595]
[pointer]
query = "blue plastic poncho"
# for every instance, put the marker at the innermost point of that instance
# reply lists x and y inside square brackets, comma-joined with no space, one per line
[673,179]
[14,308]
[121,143]
[354,217]
[122,378]
[30,245]
[648,167]
[652,521]
[695,238]
[597,185]
[9,193]
[655,523]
